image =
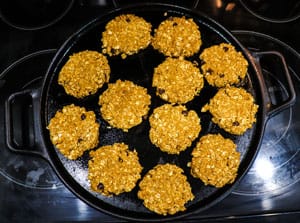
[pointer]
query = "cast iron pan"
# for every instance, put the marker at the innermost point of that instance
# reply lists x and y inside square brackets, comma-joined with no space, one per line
[139,68]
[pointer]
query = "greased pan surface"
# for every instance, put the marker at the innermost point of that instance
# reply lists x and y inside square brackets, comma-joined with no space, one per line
[139,69]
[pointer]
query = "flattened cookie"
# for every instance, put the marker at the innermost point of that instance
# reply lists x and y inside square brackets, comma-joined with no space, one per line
[215,160]
[165,189]
[114,169]
[223,65]
[74,130]
[126,35]
[233,109]
[177,37]
[177,80]
[124,104]
[173,128]
[84,73]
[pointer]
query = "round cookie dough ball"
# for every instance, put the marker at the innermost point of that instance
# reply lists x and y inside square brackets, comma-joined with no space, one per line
[223,65]
[124,104]
[177,37]
[233,109]
[73,130]
[177,80]
[113,169]
[215,160]
[173,128]
[84,73]
[126,35]
[165,189]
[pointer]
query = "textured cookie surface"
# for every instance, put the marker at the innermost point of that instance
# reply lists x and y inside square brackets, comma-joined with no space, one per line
[165,189]
[84,73]
[74,130]
[126,35]
[215,160]
[177,80]
[223,65]
[173,128]
[177,37]
[124,104]
[233,109]
[114,169]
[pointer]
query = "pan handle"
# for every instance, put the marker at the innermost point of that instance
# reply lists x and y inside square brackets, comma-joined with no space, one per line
[22,117]
[273,109]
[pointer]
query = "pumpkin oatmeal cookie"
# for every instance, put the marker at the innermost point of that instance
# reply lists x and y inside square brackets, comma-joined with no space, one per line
[177,80]
[113,169]
[124,104]
[173,128]
[84,73]
[233,109]
[215,160]
[126,35]
[223,65]
[177,37]
[165,189]
[73,130]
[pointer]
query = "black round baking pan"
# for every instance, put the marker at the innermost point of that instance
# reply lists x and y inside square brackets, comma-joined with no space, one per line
[139,69]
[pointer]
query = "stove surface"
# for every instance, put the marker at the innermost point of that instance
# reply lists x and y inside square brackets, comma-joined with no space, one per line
[30,191]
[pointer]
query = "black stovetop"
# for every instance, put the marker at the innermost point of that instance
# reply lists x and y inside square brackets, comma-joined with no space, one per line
[31,192]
